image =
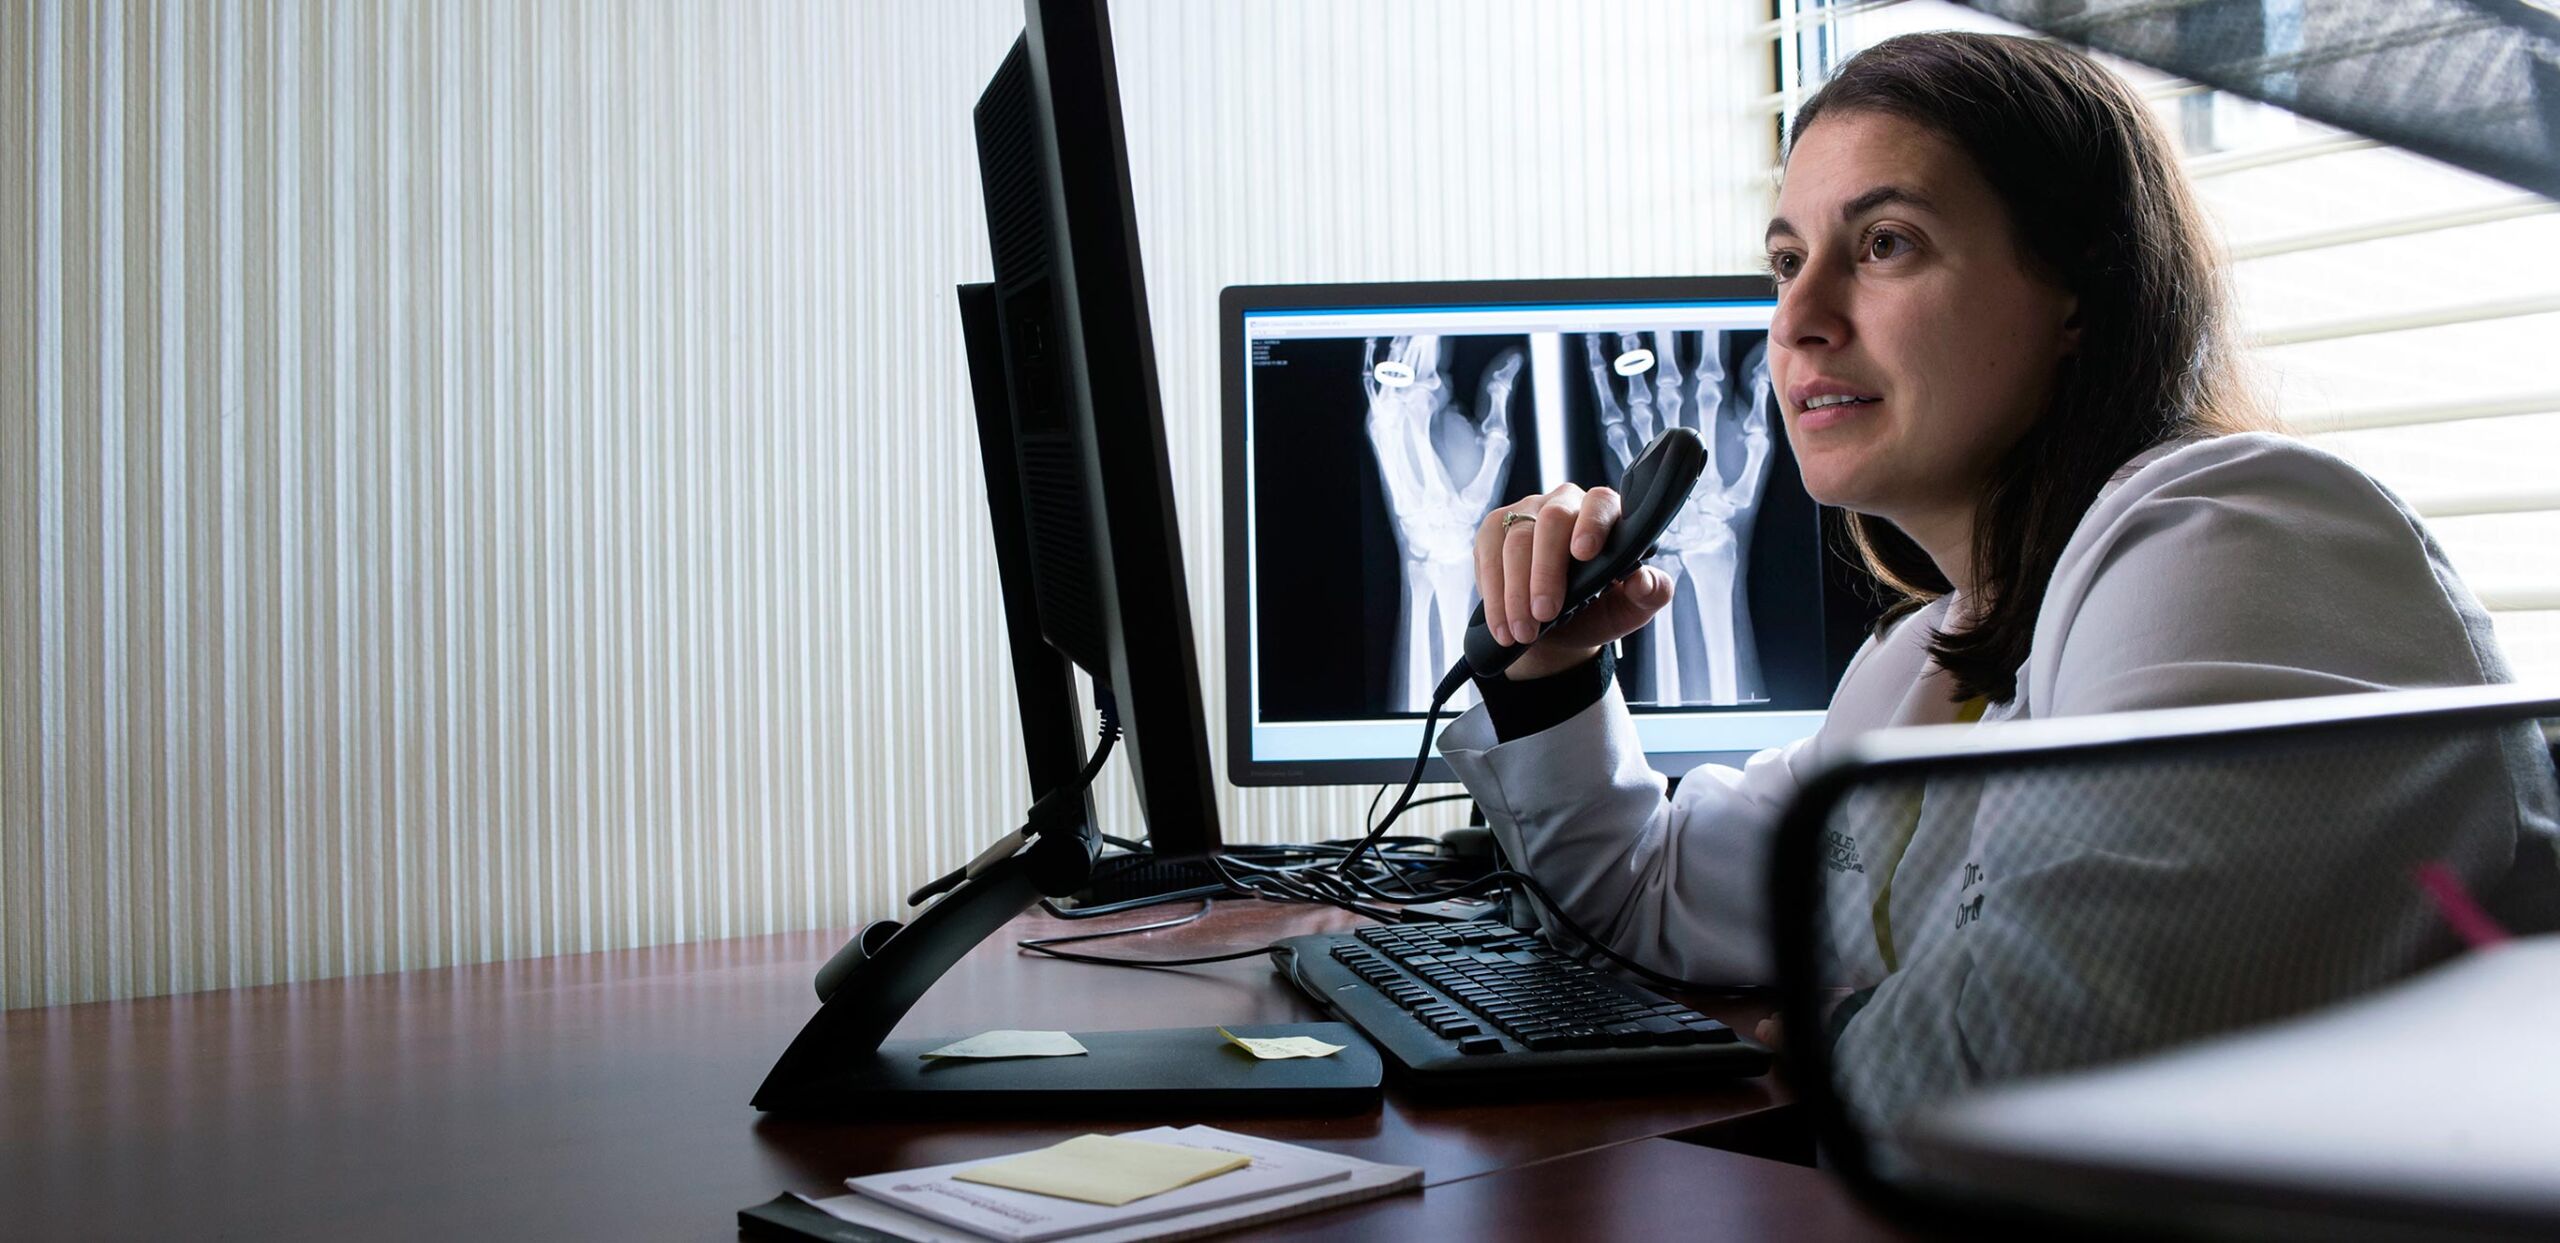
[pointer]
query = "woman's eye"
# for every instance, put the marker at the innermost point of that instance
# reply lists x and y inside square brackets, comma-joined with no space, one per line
[1886,245]
[1783,264]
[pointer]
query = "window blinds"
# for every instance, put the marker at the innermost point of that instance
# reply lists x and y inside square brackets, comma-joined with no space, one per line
[2399,312]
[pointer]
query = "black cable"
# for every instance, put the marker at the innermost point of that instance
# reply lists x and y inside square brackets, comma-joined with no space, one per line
[1449,685]
[1097,960]
[1420,802]
[1070,938]
[1061,807]
[1044,945]
[1055,911]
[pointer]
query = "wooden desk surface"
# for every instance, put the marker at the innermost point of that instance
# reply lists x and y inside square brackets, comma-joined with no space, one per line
[605,1094]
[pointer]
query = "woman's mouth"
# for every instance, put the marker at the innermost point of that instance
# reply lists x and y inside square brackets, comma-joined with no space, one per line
[1831,411]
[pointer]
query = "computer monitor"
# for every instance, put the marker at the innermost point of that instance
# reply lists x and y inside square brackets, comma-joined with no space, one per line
[1369,429]
[1078,365]
[1071,423]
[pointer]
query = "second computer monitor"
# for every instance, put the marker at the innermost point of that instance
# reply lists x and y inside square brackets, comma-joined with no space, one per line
[1370,428]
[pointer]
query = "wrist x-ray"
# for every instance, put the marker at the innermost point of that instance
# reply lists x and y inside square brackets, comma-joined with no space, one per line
[1441,457]
[1635,384]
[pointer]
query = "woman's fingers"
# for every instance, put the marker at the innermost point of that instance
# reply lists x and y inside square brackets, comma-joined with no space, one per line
[1591,529]
[1526,551]
[1490,535]
[1620,611]
[1572,526]
[1519,551]
[1551,556]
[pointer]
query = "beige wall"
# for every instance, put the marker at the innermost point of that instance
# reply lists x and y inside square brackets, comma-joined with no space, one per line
[482,480]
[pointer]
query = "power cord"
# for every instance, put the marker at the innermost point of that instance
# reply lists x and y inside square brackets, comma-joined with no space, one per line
[1047,945]
[1061,809]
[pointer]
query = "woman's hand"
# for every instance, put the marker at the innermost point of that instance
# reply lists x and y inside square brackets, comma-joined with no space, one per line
[1521,567]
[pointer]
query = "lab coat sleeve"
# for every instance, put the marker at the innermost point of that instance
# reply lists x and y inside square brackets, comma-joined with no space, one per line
[1673,883]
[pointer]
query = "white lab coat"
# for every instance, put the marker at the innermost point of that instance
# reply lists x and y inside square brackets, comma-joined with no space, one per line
[2028,924]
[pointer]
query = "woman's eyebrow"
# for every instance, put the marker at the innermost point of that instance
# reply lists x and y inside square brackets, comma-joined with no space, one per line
[1882,195]
[1859,206]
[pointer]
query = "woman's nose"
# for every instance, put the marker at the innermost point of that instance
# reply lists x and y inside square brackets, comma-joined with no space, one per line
[1812,310]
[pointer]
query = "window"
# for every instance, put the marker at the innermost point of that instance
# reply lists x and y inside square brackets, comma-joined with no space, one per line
[2400,312]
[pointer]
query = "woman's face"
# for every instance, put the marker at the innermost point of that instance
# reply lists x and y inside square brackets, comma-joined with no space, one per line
[1900,286]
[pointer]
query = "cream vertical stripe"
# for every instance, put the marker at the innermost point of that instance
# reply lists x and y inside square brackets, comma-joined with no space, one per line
[482,478]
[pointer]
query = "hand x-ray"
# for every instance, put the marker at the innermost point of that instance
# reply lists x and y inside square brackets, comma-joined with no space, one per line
[1441,456]
[1633,385]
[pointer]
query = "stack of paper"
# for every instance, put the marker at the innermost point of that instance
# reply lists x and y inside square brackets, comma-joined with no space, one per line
[1099,1189]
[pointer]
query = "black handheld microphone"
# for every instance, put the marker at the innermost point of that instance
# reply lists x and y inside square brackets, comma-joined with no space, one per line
[1650,494]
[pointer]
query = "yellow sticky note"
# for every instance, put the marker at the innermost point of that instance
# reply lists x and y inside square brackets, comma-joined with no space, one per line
[1104,1169]
[1282,1046]
[986,1045]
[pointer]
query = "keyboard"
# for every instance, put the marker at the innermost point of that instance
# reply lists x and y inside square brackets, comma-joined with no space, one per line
[1482,1002]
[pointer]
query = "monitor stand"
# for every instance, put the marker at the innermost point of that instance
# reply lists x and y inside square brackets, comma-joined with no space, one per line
[843,1062]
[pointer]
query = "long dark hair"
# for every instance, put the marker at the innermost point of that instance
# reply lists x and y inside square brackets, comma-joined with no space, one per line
[2100,207]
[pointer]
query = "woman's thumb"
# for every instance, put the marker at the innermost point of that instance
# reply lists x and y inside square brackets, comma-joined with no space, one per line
[1649,589]
[1624,608]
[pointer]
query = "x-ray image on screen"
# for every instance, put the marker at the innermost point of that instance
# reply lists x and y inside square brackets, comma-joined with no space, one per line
[1395,449]
[1627,387]
[1443,449]
[1381,441]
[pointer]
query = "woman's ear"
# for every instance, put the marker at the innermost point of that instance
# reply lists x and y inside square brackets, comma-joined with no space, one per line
[2070,323]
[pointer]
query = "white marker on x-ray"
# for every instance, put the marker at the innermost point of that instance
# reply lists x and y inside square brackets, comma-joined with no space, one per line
[1392,374]
[1634,362]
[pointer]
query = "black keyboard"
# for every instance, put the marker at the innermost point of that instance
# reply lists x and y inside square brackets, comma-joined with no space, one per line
[1475,1002]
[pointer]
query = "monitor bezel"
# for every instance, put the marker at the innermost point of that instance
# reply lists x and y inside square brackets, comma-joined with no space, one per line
[1237,301]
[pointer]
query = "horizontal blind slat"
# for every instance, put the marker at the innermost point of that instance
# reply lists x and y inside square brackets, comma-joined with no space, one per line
[2223,163]
[2465,503]
[2368,417]
[2518,597]
[2397,226]
[2404,321]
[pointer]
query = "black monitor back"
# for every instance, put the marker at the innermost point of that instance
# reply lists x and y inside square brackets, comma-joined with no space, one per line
[1088,424]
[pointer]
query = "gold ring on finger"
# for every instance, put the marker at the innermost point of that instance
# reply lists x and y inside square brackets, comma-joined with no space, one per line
[1514,519]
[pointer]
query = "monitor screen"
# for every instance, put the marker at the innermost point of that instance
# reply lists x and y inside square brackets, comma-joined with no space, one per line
[1369,430]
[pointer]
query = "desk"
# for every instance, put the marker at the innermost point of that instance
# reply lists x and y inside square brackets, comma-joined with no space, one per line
[604,1095]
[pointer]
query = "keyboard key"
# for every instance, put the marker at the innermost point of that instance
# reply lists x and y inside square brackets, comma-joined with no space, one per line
[1480,1044]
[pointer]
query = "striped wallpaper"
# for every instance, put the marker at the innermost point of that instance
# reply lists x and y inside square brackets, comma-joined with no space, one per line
[492,479]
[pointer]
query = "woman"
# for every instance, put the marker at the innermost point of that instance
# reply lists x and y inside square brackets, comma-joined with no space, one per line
[2001,343]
